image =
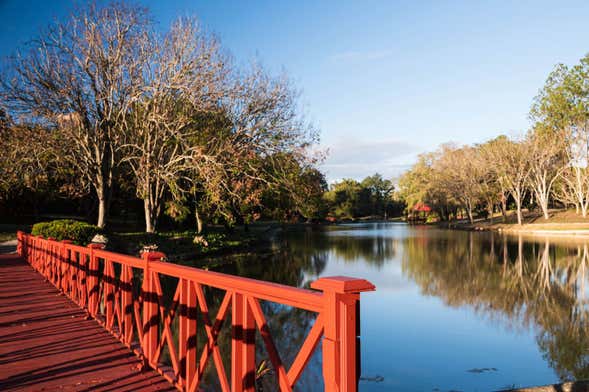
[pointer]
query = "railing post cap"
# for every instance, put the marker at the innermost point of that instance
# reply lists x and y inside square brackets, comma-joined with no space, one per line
[95,246]
[342,284]
[51,239]
[153,256]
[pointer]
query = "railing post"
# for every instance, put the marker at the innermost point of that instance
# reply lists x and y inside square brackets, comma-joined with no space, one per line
[51,260]
[92,280]
[243,350]
[33,252]
[33,260]
[127,303]
[65,269]
[108,285]
[20,245]
[150,308]
[41,253]
[341,341]
[188,336]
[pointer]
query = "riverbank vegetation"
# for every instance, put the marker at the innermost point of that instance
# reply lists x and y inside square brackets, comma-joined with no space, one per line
[547,167]
[103,110]
[108,119]
[373,197]
[515,282]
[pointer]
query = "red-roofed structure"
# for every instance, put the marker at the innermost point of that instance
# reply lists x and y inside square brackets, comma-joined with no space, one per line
[418,214]
[421,207]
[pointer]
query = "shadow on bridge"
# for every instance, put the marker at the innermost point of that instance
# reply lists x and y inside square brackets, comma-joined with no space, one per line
[46,342]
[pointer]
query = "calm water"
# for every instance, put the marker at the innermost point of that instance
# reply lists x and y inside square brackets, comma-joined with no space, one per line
[453,311]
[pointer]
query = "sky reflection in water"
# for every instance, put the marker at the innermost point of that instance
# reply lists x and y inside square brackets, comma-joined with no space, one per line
[453,310]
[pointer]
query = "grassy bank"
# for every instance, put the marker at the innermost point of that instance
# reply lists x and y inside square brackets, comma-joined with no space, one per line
[184,245]
[560,222]
[179,245]
[8,231]
[574,386]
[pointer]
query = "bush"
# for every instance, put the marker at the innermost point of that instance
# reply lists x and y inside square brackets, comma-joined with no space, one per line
[81,233]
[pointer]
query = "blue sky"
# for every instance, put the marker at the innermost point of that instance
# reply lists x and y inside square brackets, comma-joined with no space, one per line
[382,80]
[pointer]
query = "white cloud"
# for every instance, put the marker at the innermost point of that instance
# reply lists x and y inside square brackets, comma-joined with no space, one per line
[355,159]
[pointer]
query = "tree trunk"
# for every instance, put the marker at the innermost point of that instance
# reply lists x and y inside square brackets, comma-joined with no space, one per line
[102,183]
[490,208]
[198,221]
[103,203]
[469,212]
[544,206]
[150,216]
[102,207]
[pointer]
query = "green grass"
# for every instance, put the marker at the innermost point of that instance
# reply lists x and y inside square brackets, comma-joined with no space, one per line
[181,243]
[176,244]
[7,237]
[8,231]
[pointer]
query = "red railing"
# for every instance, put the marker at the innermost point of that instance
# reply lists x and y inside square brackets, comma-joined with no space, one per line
[124,294]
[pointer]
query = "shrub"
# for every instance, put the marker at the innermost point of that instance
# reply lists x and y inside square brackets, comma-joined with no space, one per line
[81,233]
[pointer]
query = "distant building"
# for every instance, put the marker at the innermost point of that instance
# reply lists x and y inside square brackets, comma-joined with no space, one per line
[419,213]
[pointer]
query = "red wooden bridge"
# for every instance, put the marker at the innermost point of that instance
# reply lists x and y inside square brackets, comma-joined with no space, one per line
[82,318]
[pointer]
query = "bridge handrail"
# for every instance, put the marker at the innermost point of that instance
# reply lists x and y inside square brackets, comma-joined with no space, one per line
[143,323]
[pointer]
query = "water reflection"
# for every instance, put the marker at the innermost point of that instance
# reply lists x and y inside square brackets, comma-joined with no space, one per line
[521,282]
[532,288]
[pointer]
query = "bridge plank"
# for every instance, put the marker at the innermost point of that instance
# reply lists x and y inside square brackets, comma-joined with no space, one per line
[46,343]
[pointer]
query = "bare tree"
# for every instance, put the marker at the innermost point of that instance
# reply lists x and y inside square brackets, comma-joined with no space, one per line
[460,175]
[34,158]
[513,169]
[546,164]
[183,82]
[266,126]
[83,76]
[203,130]
[493,192]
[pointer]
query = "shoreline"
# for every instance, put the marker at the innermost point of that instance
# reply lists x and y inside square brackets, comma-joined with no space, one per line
[570,386]
[578,230]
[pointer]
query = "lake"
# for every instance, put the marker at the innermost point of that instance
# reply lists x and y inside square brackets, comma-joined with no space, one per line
[453,310]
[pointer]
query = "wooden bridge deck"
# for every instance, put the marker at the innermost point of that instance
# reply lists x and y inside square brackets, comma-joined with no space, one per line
[46,344]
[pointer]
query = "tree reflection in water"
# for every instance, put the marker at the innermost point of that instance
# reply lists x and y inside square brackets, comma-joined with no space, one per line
[522,282]
[299,257]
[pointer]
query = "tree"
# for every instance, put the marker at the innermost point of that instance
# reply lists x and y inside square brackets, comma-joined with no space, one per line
[562,108]
[265,137]
[380,193]
[489,191]
[493,191]
[461,176]
[182,81]
[424,183]
[34,159]
[343,197]
[512,163]
[546,164]
[81,77]
[300,194]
